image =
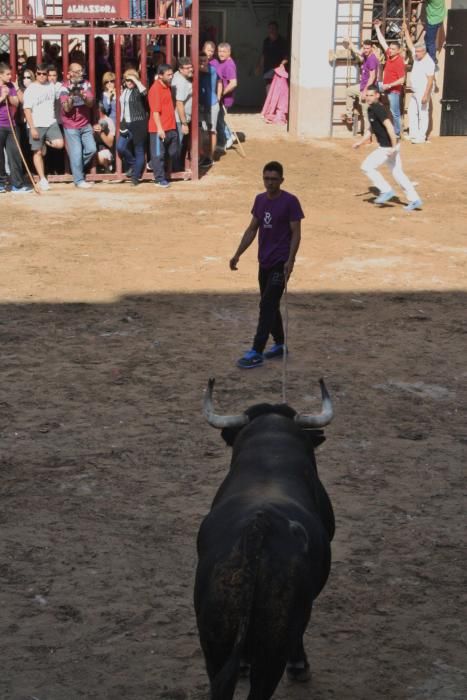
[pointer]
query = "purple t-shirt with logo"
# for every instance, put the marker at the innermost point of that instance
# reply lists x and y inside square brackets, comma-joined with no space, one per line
[5,106]
[369,63]
[274,216]
[227,71]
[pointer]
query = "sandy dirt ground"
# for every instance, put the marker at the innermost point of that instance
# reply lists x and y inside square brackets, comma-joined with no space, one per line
[117,305]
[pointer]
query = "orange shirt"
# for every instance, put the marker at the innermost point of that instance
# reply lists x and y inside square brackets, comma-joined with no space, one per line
[160,100]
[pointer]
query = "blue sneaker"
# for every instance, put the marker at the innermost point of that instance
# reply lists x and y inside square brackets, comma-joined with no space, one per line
[163,183]
[275,351]
[250,359]
[3,189]
[385,197]
[26,189]
[416,204]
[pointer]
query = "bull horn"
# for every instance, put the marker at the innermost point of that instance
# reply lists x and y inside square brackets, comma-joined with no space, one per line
[220,421]
[324,418]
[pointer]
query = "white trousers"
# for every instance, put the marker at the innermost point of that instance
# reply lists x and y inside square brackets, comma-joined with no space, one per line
[418,117]
[382,156]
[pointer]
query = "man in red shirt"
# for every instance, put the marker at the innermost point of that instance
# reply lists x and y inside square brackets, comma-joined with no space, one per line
[163,135]
[393,75]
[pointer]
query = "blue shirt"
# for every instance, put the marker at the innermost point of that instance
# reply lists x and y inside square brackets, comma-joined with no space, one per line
[208,88]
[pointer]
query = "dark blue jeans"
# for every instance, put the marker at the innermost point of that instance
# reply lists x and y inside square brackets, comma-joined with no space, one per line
[163,153]
[430,39]
[271,286]
[133,154]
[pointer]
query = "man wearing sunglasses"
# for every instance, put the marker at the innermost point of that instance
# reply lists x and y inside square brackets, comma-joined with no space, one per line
[39,111]
[77,100]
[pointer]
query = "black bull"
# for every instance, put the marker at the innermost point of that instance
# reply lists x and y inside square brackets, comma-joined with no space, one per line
[264,549]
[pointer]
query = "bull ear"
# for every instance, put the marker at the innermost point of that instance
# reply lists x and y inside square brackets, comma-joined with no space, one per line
[229,435]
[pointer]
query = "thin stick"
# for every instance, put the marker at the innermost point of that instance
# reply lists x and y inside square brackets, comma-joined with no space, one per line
[242,151]
[35,187]
[284,356]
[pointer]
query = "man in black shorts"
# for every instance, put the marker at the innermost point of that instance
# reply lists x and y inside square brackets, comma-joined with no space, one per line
[388,152]
[39,110]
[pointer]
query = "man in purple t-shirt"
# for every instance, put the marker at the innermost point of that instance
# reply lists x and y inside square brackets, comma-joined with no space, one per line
[277,214]
[227,72]
[77,100]
[368,76]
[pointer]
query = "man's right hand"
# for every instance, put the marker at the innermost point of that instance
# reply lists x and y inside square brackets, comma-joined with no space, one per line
[161,134]
[377,23]
[234,262]
[35,134]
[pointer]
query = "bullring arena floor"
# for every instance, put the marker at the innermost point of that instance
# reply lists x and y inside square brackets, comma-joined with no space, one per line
[117,305]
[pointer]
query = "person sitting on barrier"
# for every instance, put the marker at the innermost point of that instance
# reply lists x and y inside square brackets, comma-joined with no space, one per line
[108,102]
[368,75]
[77,100]
[104,135]
[435,14]
[39,110]
[131,145]
[8,130]
[165,6]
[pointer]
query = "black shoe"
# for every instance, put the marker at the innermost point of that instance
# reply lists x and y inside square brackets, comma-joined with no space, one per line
[134,182]
[129,172]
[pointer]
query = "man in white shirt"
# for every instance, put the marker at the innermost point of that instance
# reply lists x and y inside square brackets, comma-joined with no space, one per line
[39,110]
[421,80]
[182,91]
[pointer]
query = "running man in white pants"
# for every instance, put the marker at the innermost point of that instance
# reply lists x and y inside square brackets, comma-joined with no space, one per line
[388,152]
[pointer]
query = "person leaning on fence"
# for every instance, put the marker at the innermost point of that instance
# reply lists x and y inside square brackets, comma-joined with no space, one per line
[393,75]
[182,92]
[131,145]
[77,101]
[108,102]
[8,105]
[387,153]
[422,78]
[104,135]
[368,76]
[39,110]
[208,109]
[163,134]
[227,72]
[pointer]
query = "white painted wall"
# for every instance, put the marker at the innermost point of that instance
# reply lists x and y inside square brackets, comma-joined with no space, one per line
[313,31]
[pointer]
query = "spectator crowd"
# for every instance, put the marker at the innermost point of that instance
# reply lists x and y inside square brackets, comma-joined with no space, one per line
[60,123]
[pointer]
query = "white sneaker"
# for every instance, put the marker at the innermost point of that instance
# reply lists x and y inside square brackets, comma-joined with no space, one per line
[43,184]
[83,185]
[229,143]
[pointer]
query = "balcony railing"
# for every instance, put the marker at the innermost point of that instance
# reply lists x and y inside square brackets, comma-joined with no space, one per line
[173,13]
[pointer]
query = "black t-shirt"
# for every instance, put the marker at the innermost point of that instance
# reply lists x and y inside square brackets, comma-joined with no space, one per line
[274,53]
[377,114]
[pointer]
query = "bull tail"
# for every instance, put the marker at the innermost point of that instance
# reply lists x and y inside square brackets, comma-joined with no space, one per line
[223,684]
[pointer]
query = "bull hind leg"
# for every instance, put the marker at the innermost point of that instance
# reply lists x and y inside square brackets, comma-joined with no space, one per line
[298,668]
[265,675]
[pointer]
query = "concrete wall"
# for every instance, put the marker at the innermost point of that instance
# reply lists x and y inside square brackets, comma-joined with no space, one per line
[313,32]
